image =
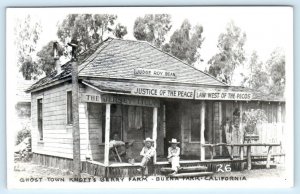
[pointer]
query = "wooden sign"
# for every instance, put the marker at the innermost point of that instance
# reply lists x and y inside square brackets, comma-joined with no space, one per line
[215,95]
[163,93]
[120,99]
[154,73]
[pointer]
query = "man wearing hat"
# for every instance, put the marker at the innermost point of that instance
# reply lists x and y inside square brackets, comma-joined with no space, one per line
[147,152]
[173,155]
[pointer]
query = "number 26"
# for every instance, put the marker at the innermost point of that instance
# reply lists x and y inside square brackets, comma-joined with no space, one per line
[223,168]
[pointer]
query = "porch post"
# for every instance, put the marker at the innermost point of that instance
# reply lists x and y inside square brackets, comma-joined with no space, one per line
[280,131]
[241,136]
[88,154]
[154,131]
[220,128]
[202,128]
[279,113]
[107,134]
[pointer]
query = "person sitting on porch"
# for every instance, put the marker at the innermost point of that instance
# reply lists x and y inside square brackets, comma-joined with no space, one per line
[173,155]
[118,149]
[147,152]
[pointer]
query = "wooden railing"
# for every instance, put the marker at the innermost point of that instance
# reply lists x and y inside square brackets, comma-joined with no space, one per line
[241,150]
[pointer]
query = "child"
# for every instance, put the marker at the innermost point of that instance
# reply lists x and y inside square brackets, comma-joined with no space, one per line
[173,155]
[147,152]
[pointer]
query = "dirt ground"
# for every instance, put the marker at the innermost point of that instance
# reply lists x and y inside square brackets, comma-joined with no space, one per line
[28,169]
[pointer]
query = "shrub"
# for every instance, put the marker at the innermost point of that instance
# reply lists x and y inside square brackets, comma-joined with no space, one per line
[253,117]
[22,134]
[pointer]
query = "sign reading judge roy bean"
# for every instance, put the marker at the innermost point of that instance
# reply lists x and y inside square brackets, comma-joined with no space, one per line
[154,73]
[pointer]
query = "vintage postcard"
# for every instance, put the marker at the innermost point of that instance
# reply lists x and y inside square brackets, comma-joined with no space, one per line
[150,97]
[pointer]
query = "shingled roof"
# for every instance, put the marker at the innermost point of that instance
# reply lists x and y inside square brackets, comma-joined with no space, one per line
[119,58]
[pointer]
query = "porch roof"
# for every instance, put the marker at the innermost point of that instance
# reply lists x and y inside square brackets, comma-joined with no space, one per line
[131,88]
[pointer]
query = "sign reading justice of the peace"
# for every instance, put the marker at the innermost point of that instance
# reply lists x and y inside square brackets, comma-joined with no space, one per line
[214,95]
[154,73]
[117,99]
[168,93]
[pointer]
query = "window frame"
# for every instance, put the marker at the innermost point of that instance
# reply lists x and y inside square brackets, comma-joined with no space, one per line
[37,108]
[67,110]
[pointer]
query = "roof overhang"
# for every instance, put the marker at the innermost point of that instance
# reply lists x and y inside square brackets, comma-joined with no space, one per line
[50,84]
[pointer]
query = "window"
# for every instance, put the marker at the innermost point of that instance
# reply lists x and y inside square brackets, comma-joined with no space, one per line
[69,108]
[40,117]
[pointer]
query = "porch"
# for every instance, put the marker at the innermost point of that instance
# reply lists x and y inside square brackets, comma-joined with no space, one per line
[198,124]
[207,167]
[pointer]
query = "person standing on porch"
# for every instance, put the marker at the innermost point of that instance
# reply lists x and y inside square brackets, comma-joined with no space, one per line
[173,155]
[147,152]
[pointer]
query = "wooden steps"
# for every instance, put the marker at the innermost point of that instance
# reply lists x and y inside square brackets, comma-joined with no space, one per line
[191,174]
[190,171]
[185,169]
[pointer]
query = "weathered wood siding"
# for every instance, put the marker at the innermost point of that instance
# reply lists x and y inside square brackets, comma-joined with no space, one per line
[220,113]
[57,134]
[269,132]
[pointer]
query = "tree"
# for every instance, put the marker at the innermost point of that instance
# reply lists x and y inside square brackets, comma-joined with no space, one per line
[258,77]
[120,31]
[186,42]
[152,28]
[27,33]
[46,59]
[276,67]
[89,29]
[231,53]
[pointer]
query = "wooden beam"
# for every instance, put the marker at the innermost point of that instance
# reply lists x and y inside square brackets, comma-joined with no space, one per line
[154,131]
[242,144]
[202,128]
[107,134]
[76,131]
[241,134]
[164,120]
[88,154]
[242,156]
[220,128]
[269,157]
[248,157]
[279,119]
[210,121]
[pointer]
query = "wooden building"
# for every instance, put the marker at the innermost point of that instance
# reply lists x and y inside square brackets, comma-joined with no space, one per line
[139,91]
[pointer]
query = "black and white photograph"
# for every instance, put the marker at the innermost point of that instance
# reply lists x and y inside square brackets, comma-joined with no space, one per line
[150,97]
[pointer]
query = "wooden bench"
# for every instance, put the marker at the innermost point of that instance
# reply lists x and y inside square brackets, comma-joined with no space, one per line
[241,149]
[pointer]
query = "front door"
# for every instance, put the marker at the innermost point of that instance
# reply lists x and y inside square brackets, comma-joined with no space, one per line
[172,122]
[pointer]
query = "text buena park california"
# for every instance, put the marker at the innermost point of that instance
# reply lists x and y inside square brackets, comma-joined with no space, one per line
[132,179]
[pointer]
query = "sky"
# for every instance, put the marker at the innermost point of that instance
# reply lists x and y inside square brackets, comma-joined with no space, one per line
[266,28]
